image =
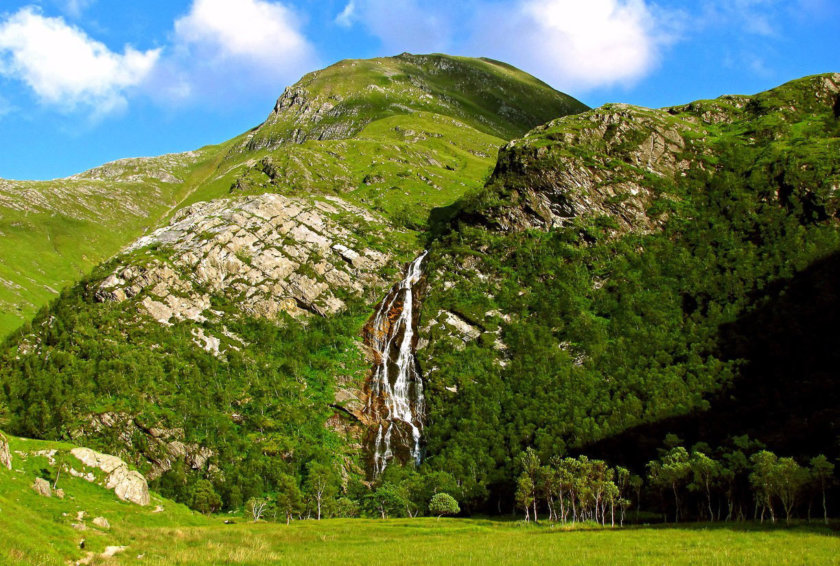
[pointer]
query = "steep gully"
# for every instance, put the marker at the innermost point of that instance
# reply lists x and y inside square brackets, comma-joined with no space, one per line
[395,401]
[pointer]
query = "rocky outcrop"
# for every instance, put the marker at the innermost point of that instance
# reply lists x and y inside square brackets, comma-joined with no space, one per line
[5,453]
[161,448]
[42,487]
[269,254]
[605,162]
[128,485]
[615,161]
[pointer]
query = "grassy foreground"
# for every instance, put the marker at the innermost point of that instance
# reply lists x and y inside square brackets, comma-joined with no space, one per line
[47,531]
[469,541]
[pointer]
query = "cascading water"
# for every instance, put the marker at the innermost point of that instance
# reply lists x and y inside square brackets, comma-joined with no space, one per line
[395,399]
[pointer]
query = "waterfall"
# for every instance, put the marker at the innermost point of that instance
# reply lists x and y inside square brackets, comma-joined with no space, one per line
[395,398]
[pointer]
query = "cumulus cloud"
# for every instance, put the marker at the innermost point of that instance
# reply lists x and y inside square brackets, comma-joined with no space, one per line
[67,69]
[253,32]
[580,45]
[572,44]
[221,51]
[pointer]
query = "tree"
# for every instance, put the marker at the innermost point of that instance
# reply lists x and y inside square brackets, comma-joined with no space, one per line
[672,471]
[443,504]
[204,499]
[321,483]
[822,472]
[763,479]
[705,472]
[525,494]
[530,462]
[790,479]
[623,482]
[256,507]
[289,497]
[385,500]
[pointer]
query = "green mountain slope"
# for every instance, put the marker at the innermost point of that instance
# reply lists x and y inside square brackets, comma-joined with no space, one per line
[53,232]
[394,135]
[611,275]
[219,345]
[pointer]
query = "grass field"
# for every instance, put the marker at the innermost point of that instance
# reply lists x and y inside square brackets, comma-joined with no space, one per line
[46,531]
[470,541]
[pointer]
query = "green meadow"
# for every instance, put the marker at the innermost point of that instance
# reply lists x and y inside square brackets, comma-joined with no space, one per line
[473,541]
[49,531]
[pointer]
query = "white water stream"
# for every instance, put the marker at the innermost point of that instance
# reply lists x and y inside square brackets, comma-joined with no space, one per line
[398,381]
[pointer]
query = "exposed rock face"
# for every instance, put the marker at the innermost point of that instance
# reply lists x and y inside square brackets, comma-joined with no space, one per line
[5,453]
[595,164]
[127,484]
[162,447]
[101,522]
[269,253]
[42,487]
[614,161]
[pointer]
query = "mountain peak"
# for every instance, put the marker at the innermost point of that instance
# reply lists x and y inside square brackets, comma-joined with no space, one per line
[339,101]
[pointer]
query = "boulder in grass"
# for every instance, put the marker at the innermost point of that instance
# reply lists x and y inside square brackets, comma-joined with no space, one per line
[5,453]
[42,487]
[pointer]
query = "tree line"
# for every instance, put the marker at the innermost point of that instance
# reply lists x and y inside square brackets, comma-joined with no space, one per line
[745,481]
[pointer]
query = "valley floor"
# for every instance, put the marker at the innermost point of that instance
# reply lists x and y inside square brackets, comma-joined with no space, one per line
[468,541]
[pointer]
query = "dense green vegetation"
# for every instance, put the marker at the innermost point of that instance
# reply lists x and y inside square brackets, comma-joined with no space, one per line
[709,314]
[261,412]
[39,530]
[604,331]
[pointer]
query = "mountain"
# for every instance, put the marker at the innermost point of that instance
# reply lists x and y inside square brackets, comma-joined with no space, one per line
[394,135]
[349,290]
[227,335]
[53,232]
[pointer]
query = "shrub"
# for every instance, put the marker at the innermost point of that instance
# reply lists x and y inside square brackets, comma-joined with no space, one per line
[443,504]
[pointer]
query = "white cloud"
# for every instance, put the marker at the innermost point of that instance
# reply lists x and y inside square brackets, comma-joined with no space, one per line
[347,15]
[577,45]
[74,8]
[253,32]
[572,44]
[406,25]
[67,69]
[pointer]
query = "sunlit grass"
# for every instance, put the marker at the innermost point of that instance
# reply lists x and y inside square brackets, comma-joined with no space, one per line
[469,541]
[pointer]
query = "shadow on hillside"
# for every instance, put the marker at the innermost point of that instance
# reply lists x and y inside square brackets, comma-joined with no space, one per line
[788,391]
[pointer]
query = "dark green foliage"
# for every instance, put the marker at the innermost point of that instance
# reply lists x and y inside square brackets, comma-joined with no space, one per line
[204,499]
[289,500]
[605,332]
[261,409]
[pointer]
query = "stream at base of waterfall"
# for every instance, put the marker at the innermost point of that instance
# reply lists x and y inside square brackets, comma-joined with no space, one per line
[395,397]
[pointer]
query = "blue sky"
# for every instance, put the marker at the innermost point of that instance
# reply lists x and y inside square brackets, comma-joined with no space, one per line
[83,82]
